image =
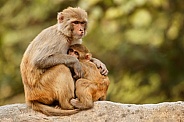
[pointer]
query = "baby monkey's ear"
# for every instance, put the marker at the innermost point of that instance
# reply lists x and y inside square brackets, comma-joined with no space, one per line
[88,56]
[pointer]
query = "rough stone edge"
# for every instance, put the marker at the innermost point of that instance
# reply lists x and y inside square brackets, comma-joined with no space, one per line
[102,111]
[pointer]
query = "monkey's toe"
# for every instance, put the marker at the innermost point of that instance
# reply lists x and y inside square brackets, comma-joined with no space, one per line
[73,102]
[57,107]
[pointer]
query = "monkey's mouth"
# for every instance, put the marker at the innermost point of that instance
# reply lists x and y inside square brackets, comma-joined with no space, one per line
[81,34]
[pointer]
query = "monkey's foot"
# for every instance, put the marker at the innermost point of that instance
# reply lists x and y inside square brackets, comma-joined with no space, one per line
[79,105]
[74,102]
[57,107]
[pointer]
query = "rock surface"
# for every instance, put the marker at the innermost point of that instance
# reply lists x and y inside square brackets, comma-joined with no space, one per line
[103,111]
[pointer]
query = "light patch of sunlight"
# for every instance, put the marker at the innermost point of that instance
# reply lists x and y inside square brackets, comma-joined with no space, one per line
[113,12]
[112,27]
[159,3]
[156,39]
[11,38]
[173,31]
[86,4]
[141,18]
[96,13]
[140,2]
[120,1]
[124,8]
[175,27]
[136,36]
[143,36]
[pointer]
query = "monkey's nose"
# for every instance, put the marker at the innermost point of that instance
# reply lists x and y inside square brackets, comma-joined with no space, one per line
[81,30]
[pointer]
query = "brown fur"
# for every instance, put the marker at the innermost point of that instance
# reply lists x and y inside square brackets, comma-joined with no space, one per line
[44,70]
[92,86]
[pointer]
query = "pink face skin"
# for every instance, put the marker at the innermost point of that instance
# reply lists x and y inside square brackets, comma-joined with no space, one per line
[79,29]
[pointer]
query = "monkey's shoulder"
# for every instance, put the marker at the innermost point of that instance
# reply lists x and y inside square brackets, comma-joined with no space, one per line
[51,31]
[88,64]
[90,68]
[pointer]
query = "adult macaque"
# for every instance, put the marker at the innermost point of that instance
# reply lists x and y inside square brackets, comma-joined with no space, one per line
[92,86]
[44,67]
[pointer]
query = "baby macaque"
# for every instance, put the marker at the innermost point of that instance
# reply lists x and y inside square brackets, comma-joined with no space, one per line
[92,86]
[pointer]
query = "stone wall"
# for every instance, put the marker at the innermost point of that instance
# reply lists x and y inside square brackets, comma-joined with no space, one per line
[103,111]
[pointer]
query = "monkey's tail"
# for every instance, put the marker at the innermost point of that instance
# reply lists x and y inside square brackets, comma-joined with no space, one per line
[51,111]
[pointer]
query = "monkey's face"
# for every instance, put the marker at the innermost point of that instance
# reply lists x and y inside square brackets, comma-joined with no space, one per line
[79,55]
[73,52]
[80,52]
[72,22]
[79,29]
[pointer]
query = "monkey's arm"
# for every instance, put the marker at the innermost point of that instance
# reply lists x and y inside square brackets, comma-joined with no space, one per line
[101,65]
[56,59]
[51,60]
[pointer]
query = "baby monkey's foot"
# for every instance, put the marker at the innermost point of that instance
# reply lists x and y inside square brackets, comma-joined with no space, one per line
[74,101]
[57,107]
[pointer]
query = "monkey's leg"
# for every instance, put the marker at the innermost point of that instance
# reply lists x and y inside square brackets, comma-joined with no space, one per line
[84,89]
[65,87]
[102,98]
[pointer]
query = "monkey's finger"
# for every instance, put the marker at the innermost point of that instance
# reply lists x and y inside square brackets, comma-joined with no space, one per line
[98,64]
[82,74]
[77,109]
[76,77]
[79,73]
[104,72]
[78,69]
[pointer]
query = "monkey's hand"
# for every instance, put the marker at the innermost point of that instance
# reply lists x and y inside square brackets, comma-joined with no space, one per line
[101,66]
[78,69]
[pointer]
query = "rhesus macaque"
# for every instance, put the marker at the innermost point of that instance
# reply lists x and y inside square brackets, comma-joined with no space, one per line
[92,86]
[45,64]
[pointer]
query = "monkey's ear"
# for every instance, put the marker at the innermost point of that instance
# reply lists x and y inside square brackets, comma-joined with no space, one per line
[60,17]
[88,56]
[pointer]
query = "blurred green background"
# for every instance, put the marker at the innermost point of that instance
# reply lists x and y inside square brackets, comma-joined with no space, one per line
[140,41]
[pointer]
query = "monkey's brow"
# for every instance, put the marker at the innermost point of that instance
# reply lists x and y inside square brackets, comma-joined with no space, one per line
[79,22]
[83,22]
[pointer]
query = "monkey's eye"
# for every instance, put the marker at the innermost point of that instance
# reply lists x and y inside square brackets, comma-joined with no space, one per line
[83,22]
[70,50]
[76,53]
[76,22]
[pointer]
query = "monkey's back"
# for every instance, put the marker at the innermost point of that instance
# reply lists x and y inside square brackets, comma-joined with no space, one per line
[46,43]
[93,75]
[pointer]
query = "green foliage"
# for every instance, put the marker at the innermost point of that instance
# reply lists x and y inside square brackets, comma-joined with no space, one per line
[140,41]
